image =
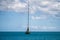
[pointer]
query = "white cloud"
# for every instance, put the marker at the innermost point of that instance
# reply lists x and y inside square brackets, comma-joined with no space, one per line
[52,7]
[39,17]
[43,28]
[32,10]
[15,5]
[49,5]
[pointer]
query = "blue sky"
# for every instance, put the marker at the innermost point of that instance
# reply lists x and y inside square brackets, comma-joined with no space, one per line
[44,15]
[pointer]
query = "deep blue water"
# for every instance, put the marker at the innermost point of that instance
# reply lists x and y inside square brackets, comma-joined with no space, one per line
[31,36]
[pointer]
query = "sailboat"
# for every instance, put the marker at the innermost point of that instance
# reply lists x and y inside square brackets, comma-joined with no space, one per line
[27,31]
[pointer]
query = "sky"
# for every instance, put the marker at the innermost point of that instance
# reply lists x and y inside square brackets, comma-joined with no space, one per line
[44,15]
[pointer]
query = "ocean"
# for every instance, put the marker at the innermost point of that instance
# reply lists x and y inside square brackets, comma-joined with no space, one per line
[31,36]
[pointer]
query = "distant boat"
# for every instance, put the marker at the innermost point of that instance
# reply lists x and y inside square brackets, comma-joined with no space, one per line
[27,31]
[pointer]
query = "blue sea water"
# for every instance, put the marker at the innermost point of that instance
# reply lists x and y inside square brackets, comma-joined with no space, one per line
[31,36]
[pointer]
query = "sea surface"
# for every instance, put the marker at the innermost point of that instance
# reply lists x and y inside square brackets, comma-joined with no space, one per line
[31,36]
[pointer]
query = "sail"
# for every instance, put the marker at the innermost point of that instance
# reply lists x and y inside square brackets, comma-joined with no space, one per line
[27,32]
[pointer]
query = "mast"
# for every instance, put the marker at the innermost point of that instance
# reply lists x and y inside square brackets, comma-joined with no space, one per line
[28,13]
